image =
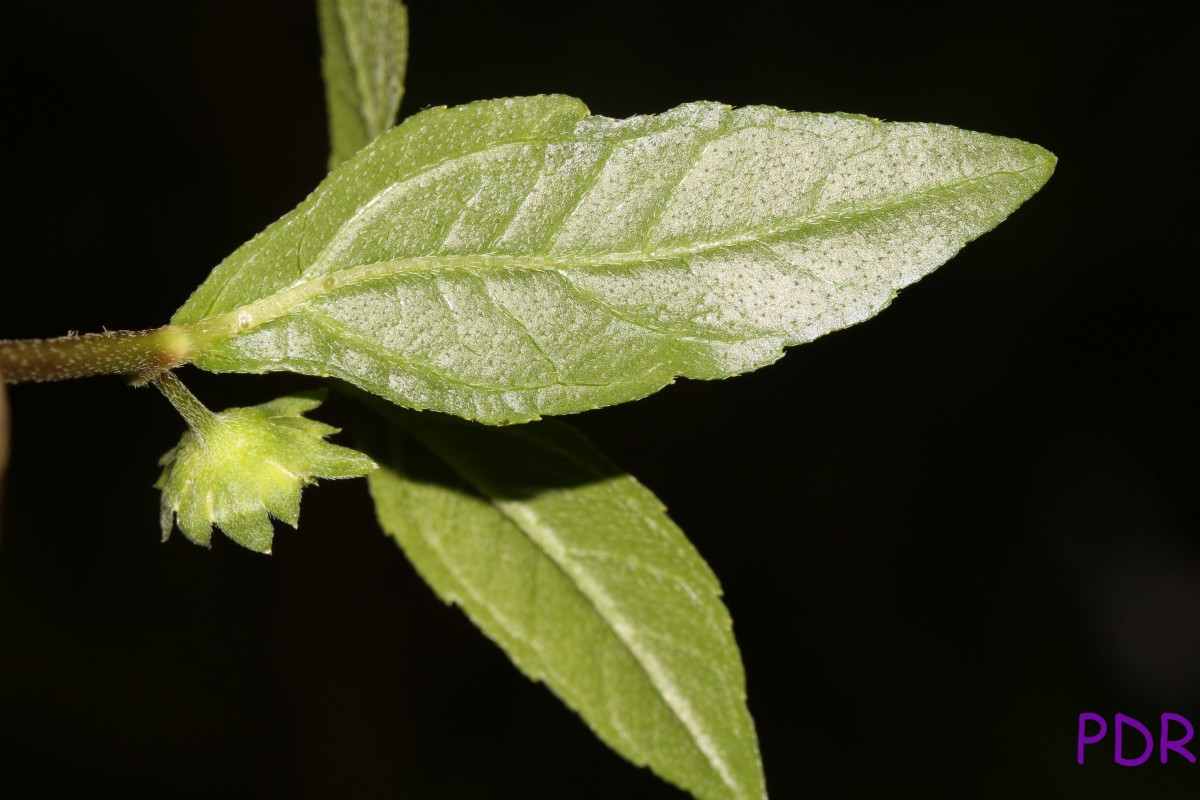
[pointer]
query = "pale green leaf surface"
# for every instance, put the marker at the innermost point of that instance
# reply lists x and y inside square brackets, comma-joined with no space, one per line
[365,46]
[577,572]
[513,258]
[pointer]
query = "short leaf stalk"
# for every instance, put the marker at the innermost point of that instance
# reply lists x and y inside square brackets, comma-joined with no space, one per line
[197,416]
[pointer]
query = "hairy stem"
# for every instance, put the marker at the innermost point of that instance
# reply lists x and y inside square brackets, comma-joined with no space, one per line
[140,355]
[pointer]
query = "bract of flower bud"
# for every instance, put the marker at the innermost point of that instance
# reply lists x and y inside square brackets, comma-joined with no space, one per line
[238,468]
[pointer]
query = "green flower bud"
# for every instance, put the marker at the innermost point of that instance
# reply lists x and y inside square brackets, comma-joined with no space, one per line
[238,468]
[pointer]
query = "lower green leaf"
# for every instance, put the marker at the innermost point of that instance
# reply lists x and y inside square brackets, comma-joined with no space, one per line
[575,570]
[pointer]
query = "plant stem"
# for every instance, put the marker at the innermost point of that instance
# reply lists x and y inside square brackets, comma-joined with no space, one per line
[140,355]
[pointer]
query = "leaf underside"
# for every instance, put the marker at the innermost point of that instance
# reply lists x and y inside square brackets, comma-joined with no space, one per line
[513,258]
[365,52]
[574,569]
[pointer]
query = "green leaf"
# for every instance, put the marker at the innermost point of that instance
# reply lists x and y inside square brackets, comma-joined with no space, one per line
[365,52]
[573,568]
[238,468]
[513,258]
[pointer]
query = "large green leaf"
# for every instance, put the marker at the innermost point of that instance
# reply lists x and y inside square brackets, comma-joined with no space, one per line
[365,52]
[575,570]
[512,258]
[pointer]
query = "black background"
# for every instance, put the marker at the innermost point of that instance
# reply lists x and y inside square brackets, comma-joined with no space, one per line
[943,534]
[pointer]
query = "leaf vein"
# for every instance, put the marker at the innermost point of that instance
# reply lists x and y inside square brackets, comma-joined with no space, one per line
[653,224]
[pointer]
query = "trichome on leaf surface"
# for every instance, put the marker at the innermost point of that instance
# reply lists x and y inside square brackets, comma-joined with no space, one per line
[513,259]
